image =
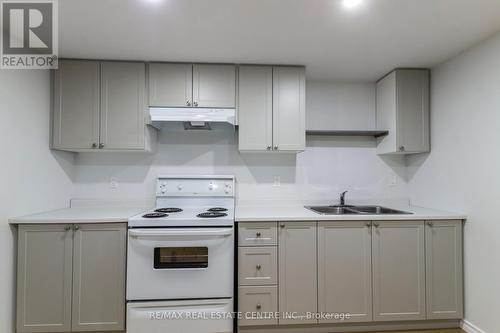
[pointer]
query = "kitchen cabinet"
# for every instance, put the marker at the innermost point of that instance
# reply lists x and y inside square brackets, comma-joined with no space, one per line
[76,105]
[271,109]
[188,85]
[170,84]
[403,109]
[398,254]
[71,277]
[214,86]
[297,288]
[101,106]
[44,277]
[260,299]
[444,269]
[345,270]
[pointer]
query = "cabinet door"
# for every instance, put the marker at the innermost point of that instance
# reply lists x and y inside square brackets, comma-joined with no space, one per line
[398,271]
[444,269]
[412,110]
[99,277]
[170,85]
[76,105]
[44,274]
[297,271]
[214,86]
[255,110]
[345,270]
[123,105]
[289,108]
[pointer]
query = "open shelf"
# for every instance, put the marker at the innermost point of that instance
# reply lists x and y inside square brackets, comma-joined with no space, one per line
[374,133]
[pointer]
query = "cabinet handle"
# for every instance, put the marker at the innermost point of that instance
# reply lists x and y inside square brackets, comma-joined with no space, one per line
[76,227]
[268,147]
[275,147]
[188,103]
[94,145]
[67,227]
[368,225]
[401,148]
[376,225]
[258,234]
[195,103]
[258,267]
[101,145]
[282,225]
[258,306]
[430,224]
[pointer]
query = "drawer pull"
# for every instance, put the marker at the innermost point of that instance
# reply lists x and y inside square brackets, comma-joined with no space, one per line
[258,306]
[258,267]
[258,234]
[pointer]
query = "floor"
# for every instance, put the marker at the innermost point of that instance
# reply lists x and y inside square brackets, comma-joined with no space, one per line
[454,330]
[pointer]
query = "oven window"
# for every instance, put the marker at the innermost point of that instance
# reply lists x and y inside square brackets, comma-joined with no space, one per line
[180,257]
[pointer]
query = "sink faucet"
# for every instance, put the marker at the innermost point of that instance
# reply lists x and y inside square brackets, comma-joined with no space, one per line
[342,198]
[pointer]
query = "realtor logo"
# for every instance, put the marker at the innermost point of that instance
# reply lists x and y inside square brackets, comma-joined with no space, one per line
[29,34]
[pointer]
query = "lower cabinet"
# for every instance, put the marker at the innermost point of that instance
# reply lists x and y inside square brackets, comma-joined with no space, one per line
[351,272]
[345,271]
[298,288]
[71,277]
[398,254]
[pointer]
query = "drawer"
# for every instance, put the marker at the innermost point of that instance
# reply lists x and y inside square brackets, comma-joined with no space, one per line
[258,305]
[257,266]
[257,233]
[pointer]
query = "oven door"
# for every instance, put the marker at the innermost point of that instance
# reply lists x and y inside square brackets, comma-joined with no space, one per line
[193,316]
[180,263]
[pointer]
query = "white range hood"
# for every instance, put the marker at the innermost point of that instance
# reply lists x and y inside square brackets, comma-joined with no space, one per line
[193,115]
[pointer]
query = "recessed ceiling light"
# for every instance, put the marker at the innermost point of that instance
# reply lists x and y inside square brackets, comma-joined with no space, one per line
[351,3]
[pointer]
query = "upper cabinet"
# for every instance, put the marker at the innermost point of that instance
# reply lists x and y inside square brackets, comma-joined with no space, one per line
[403,109]
[170,85]
[100,106]
[187,85]
[271,110]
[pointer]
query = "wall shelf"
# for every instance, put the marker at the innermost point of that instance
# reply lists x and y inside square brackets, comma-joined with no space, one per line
[374,133]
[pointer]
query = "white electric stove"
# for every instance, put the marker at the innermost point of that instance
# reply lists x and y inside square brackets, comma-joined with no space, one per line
[181,258]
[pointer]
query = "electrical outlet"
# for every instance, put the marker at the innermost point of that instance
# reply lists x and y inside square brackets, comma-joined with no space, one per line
[113,183]
[277,181]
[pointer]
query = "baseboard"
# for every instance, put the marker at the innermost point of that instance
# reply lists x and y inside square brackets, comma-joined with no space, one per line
[470,328]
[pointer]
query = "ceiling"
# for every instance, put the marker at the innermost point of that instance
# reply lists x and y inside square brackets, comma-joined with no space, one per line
[335,43]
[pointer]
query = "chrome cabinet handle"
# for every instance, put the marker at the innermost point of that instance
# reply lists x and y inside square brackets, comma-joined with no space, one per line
[94,145]
[258,306]
[258,234]
[368,225]
[76,227]
[282,225]
[275,147]
[188,103]
[376,225]
[67,227]
[430,224]
[401,148]
[195,103]
[258,267]
[268,147]
[101,145]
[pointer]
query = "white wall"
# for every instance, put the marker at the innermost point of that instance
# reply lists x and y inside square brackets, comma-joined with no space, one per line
[462,173]
[327,167]
[32,178]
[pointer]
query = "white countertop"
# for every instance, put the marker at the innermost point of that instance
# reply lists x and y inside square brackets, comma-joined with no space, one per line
[300,213]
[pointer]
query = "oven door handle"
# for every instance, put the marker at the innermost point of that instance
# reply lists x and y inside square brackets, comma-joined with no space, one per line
[182,232]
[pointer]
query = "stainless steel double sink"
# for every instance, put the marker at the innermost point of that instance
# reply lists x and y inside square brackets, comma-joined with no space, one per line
[355,210]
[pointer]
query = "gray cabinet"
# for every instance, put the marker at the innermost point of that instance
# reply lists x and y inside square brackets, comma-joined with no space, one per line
[170,84]
[214,86]
[44,271]
[271,110]
[255,108]
[99,277]
[71,278]
[76,105]
[297,271]
[398,252]
[403,109]
[345,270]
[101,106]
[444,269]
